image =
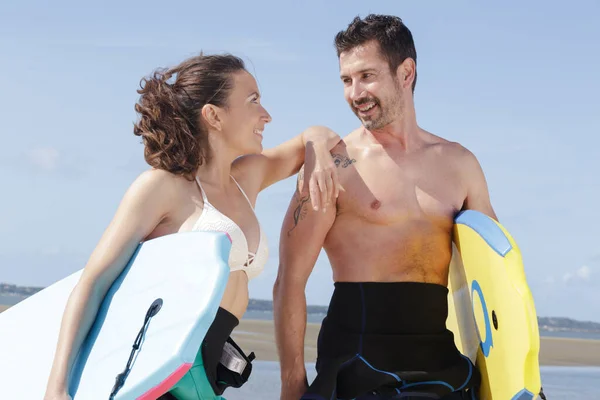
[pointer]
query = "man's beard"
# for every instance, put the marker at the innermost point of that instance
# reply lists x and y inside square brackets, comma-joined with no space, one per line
[385,114]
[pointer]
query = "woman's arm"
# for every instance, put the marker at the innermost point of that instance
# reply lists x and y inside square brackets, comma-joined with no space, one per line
[273,165]
[142,208]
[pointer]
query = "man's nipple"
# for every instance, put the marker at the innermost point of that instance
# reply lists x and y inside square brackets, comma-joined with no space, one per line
[375,204]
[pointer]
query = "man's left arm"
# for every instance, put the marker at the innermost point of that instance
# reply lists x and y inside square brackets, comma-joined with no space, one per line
[478,196]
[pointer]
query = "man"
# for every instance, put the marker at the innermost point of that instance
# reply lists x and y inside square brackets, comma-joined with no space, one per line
[388,239]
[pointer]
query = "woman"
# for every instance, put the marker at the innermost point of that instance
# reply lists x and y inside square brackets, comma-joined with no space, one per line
[202,125]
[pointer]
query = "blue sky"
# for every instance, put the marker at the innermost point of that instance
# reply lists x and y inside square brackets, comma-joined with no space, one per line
[515,83]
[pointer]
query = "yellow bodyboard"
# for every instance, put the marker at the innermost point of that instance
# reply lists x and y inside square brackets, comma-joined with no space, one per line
[491,309]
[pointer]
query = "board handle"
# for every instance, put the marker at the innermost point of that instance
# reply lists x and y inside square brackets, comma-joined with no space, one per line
[120,379]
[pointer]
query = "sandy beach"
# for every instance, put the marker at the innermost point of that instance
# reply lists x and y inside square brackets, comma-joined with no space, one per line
[259,336]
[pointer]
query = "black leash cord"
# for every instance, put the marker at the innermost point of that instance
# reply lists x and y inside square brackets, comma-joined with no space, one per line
[120,379]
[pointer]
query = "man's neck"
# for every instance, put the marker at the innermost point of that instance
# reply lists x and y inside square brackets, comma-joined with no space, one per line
[404,133]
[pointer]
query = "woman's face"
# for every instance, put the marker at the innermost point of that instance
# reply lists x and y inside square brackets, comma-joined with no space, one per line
[244,118]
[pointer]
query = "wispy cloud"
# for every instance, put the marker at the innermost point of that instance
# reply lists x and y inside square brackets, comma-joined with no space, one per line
[45,158]
[585,274]
[49,160]
[570,292]
[582,274]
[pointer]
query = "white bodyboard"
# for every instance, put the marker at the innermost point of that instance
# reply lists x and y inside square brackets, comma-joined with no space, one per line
[188,272]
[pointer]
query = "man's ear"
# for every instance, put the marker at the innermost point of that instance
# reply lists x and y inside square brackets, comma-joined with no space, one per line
[212,116]
[406,72]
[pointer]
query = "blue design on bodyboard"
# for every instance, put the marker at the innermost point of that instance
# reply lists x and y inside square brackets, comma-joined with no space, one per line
[523,395]
[488,343]
[487,229]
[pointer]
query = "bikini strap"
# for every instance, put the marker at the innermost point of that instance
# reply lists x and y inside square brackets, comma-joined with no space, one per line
[244,193]
[204,198]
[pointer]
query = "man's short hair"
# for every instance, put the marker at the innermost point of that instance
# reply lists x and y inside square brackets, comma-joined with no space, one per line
[395,39]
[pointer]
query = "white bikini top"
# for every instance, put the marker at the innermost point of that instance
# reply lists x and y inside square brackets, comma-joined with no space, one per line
[240,257]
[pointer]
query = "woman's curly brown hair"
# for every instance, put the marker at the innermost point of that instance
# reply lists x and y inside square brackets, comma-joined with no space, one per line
[170,124]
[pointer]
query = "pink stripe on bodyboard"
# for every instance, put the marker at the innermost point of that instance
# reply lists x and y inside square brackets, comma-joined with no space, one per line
[229,237]
[167,384]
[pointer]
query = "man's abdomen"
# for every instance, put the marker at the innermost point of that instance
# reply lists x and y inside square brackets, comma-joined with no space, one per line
[413,251]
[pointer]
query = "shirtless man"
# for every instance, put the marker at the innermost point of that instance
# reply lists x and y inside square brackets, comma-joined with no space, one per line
[388,239]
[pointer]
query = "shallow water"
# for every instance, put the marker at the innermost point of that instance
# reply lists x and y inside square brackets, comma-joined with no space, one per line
[560,383]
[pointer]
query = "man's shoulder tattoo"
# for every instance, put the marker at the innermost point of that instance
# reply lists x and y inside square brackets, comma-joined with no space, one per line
[342,160]
[302,200]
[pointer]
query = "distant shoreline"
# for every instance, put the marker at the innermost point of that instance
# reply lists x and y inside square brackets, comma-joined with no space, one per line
[545,329]
[11,294]
[258,335]
[261,310]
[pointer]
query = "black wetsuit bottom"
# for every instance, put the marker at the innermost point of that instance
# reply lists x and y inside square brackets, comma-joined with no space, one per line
[390,341]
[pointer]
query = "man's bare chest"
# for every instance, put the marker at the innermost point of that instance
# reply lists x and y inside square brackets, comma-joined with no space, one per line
[384,191]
